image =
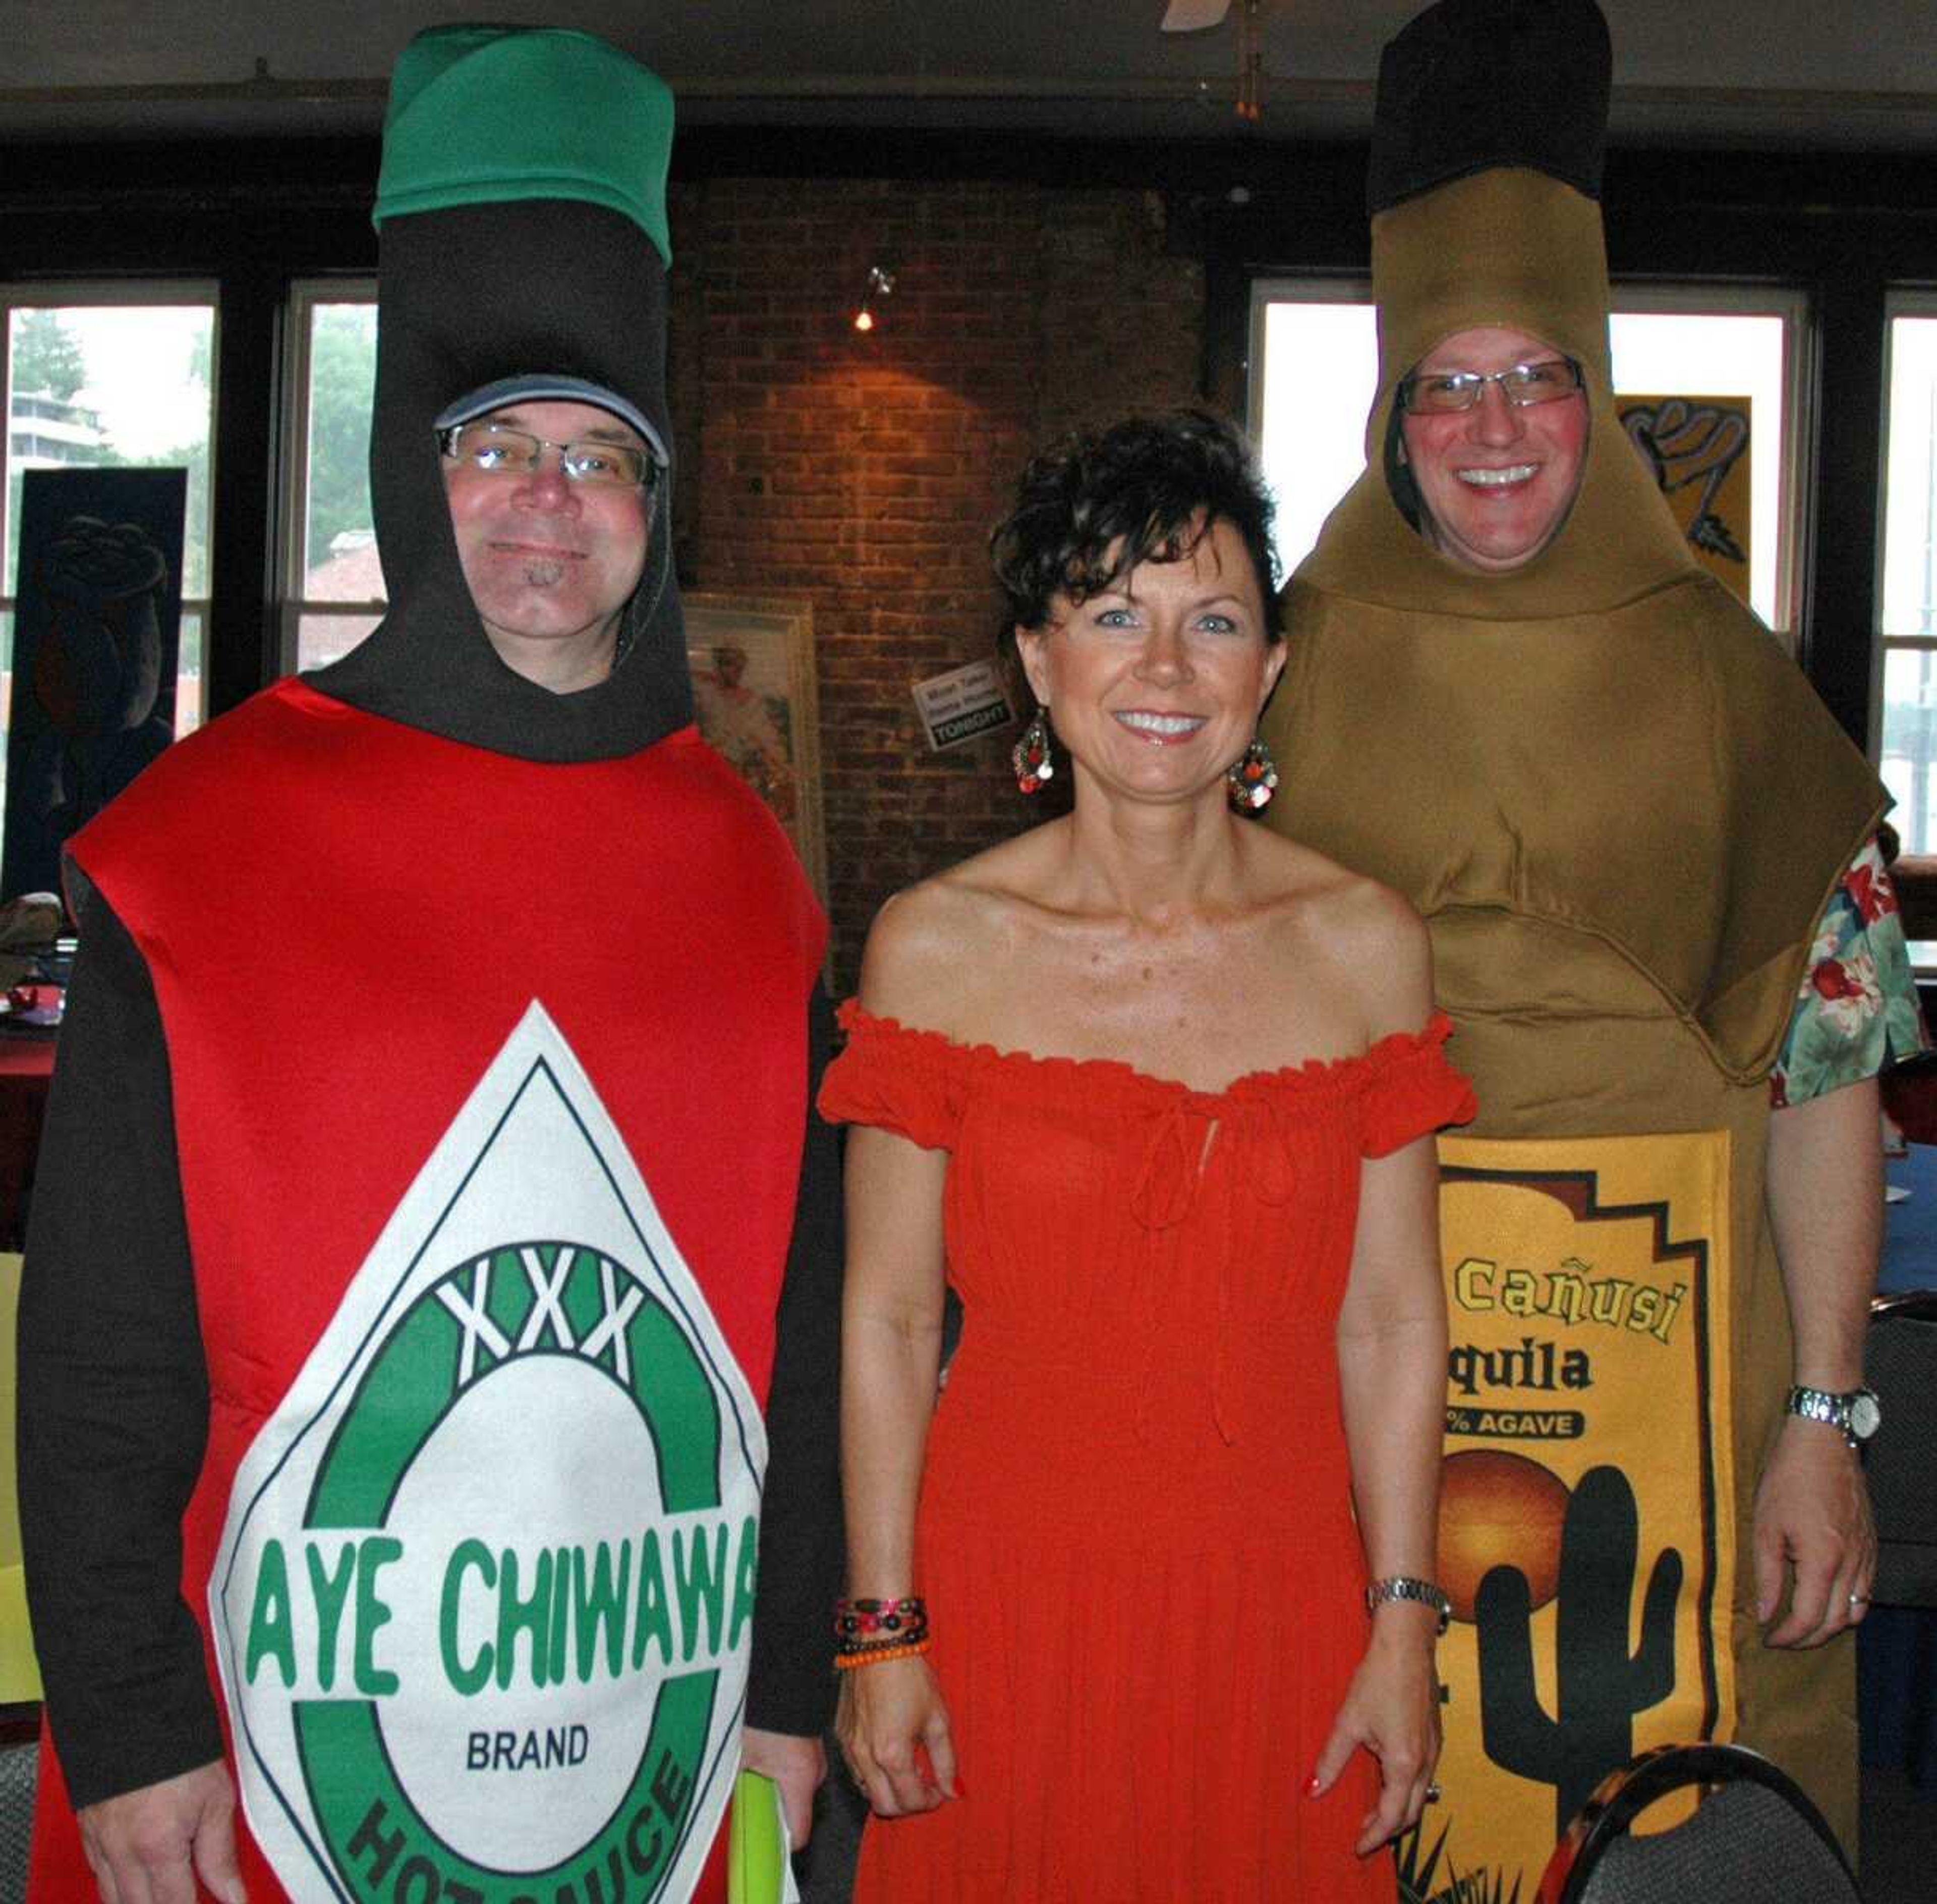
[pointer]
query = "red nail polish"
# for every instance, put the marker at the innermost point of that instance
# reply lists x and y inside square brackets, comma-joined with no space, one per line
[1311,1786]
[961,1790]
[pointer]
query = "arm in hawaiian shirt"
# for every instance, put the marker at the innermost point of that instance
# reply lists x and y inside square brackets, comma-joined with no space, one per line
[1856,1011]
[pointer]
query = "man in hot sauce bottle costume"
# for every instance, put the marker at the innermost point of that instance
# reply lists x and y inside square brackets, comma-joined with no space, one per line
[1513,695]
[431,1134]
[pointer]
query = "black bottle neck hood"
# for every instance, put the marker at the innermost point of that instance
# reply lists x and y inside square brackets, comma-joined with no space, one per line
[469,294]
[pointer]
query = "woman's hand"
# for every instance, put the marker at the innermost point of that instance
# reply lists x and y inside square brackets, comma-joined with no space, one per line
[1391,1709]
[893,1728]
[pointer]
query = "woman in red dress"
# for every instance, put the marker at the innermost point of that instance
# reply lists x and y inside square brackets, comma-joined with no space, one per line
[1150,1087]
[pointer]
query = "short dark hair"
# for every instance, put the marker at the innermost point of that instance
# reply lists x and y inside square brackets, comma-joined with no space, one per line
[1092,507]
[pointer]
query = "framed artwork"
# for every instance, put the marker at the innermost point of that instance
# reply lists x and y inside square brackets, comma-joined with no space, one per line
[96,628]
[1697,448]
[753,696]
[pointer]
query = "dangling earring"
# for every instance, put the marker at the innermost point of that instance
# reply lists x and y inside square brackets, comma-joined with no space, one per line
[1030,756]
[1251,779]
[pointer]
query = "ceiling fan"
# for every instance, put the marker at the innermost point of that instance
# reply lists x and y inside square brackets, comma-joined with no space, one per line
[1193,16]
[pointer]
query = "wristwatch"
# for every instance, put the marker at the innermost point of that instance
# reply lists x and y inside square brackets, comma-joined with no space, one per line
[1405,1587]
[1857,1412]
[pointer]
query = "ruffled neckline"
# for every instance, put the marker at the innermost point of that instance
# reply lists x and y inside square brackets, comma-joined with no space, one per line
[1348,1073]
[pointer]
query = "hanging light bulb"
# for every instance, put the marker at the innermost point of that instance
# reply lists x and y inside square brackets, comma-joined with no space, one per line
[880,284]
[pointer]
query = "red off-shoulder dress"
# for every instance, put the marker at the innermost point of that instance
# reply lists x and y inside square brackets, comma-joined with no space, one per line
[1135,1536]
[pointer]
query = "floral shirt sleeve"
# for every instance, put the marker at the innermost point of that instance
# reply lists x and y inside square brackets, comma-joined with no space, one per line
[1856,1011]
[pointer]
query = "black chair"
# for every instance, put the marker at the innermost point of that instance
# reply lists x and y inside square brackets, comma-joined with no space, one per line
[1900,1363]
[20,1765]
[1754,1837]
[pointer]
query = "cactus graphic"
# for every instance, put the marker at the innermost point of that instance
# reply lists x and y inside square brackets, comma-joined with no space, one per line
[1599,1686]
[1422,1881]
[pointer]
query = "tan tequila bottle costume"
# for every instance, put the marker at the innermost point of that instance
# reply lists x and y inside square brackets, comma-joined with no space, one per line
[1621,809]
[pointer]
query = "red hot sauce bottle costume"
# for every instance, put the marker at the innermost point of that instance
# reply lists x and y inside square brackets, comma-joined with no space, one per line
[1135,1532]
[482,1019]
[1621,809]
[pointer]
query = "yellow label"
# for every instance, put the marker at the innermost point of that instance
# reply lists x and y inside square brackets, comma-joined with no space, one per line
[1586,1533]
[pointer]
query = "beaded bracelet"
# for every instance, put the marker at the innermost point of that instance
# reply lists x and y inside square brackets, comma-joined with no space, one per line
[905,1619]
[908,1636]
[874,1655]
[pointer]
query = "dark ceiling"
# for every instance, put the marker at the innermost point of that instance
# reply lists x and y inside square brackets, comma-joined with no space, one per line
[1861,76]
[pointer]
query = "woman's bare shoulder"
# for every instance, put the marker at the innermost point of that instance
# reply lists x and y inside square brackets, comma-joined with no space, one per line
[1369,935]
[1301,875]
[938,948]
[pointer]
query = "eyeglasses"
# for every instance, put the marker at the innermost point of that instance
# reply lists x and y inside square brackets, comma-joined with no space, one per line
[492,447]
[1439,391]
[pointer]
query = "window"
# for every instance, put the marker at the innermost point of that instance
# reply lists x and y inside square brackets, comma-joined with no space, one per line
[1677,341]
[105,377]
[1314,354]
[332,588]
[1315,358]
[1908,632]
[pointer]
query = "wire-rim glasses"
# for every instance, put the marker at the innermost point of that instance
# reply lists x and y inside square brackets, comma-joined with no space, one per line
[498,450]
[1546,380]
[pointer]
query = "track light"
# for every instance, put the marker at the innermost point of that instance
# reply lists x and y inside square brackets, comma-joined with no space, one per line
[880,284]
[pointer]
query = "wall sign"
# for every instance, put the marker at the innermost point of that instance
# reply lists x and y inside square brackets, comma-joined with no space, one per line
[962,705]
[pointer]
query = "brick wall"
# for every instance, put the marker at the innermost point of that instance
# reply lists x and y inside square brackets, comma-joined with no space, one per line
[865,470]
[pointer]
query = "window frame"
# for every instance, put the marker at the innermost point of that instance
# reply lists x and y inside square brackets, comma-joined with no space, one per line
[1900,301]
[117,293]
[305,296]
[1289,287]
[1916,873]
[1796,444]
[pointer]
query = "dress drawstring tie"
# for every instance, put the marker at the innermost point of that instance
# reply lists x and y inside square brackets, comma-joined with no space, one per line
[1184,1139]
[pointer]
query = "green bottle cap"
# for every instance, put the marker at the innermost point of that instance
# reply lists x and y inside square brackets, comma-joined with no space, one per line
[481,114]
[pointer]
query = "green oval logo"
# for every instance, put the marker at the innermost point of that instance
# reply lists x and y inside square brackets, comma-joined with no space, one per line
[485,1610]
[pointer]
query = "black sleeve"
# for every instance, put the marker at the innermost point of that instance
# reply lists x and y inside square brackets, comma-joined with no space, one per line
[802,1539]
[114,1389]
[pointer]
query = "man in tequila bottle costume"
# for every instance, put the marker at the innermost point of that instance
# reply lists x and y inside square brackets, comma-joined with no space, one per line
[431,1137]
[1513,695]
